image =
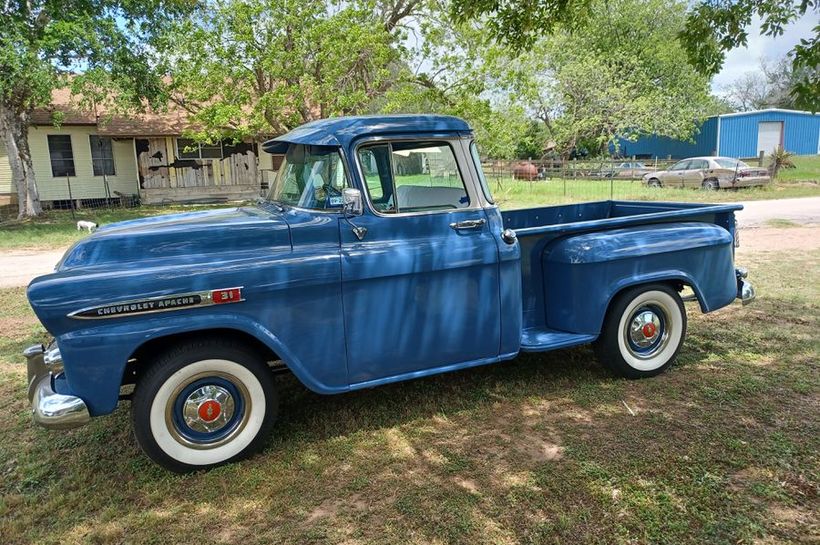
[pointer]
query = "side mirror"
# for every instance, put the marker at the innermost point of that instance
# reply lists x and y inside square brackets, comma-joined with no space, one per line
[353,203]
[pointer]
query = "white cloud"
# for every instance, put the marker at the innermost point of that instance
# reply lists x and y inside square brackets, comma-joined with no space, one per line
[747,59]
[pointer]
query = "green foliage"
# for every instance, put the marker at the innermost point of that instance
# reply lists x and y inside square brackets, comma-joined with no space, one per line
[711,29]
[780,159]
[43,42]
[252,69]
[619,78]
[714,28]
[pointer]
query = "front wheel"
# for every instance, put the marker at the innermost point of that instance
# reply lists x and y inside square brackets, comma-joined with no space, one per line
[654,183]
[202,404]
[643,331]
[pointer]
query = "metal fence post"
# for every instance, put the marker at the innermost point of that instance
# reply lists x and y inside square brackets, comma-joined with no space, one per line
[70,197]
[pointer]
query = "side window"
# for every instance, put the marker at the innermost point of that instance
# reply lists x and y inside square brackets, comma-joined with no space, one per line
[61,155]
[102,155]
[482,179]
[699,164]
[680,165]
[413,177]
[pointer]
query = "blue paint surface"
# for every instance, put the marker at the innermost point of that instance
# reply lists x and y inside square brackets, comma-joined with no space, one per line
[414,297]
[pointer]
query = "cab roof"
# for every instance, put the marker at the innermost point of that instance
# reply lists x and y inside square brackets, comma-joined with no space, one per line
[341,131]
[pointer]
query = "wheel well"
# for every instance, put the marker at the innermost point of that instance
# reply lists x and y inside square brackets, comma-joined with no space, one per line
[676,284]
[149,350]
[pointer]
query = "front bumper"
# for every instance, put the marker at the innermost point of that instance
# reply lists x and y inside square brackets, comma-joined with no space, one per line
[745,290]
[51,410]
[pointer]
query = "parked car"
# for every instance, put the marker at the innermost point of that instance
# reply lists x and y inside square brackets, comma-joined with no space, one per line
[629,169]
[352,275]
[709,173]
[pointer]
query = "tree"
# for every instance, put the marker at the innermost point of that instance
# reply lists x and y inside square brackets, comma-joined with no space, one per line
[252,69]
[620,78]
[770,86]
[43,41]
[712,28]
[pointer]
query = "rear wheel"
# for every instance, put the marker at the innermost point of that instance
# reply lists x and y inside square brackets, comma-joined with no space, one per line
[643,331]
[202,404]
[711,185]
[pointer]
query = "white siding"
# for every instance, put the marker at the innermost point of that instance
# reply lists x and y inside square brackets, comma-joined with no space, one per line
[84,185]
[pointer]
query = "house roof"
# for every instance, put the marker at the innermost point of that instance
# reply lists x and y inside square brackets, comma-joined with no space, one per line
[169,123]
[341,131]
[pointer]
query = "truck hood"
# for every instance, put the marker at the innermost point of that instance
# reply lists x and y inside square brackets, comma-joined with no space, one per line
[181,238]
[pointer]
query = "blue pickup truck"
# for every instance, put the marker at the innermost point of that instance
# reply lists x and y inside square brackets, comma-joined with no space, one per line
[378,256]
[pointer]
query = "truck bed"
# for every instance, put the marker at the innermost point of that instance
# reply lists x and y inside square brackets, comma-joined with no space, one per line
[538,228]
[612,214]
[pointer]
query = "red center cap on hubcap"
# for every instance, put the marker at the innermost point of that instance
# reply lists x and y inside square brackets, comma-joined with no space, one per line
[210,410]
[649,330]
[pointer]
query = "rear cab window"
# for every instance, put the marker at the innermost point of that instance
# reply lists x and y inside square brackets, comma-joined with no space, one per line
[418,176]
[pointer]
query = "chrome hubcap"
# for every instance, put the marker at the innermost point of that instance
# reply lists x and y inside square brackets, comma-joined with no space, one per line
[645,328]
[208,408]
[647,331]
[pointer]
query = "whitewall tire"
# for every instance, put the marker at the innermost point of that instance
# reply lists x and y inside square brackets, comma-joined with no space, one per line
[643,331]
[202,404]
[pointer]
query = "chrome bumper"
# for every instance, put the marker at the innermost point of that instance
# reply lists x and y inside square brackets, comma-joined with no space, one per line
[51,410]
[745,290]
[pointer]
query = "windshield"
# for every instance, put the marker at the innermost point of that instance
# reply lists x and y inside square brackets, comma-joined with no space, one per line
[310,177]
[730,163]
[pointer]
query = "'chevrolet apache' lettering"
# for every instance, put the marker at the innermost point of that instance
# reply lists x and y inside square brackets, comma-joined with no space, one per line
[158,304]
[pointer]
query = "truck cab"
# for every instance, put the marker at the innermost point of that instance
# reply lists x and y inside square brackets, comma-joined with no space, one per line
[379,255]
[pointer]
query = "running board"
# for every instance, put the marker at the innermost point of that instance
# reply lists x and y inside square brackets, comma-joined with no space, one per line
[540,340]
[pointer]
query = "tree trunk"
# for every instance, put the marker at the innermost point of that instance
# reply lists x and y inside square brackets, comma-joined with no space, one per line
[14,134]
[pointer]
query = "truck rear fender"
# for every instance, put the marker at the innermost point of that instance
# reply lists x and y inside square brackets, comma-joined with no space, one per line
[584,273]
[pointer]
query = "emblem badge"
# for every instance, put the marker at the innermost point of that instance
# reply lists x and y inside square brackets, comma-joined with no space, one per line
[160,304]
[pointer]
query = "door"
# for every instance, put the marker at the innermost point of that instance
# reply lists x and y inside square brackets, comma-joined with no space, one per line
[769,136]
[420,290]
[674,176]
[694,173]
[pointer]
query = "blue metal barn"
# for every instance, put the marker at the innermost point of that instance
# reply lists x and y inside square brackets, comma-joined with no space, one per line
[742,135]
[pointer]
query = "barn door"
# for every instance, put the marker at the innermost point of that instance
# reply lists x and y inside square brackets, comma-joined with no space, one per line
[769,136]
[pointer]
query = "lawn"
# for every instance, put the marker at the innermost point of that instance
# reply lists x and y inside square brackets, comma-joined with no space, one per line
[548,448]
[807,169]
[58,228]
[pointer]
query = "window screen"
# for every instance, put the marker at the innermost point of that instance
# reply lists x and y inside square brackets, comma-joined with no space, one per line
[102,155]
[61,154]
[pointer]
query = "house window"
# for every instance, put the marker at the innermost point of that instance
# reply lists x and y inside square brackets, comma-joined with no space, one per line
[189,149]
[102,155]
[61,154]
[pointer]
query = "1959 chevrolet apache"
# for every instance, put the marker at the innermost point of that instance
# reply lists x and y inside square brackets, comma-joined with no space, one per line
[379,256]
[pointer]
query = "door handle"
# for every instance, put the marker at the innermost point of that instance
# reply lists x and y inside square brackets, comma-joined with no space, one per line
[468,224]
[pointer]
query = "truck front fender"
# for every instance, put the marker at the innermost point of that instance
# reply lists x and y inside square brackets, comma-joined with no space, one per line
[583,273]
[94,370]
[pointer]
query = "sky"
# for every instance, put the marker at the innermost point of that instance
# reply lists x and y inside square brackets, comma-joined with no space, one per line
[747,59]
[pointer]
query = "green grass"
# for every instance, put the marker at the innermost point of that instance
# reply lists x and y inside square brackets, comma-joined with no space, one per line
[520,194]
[722,449]
[807,170]
[58,228]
